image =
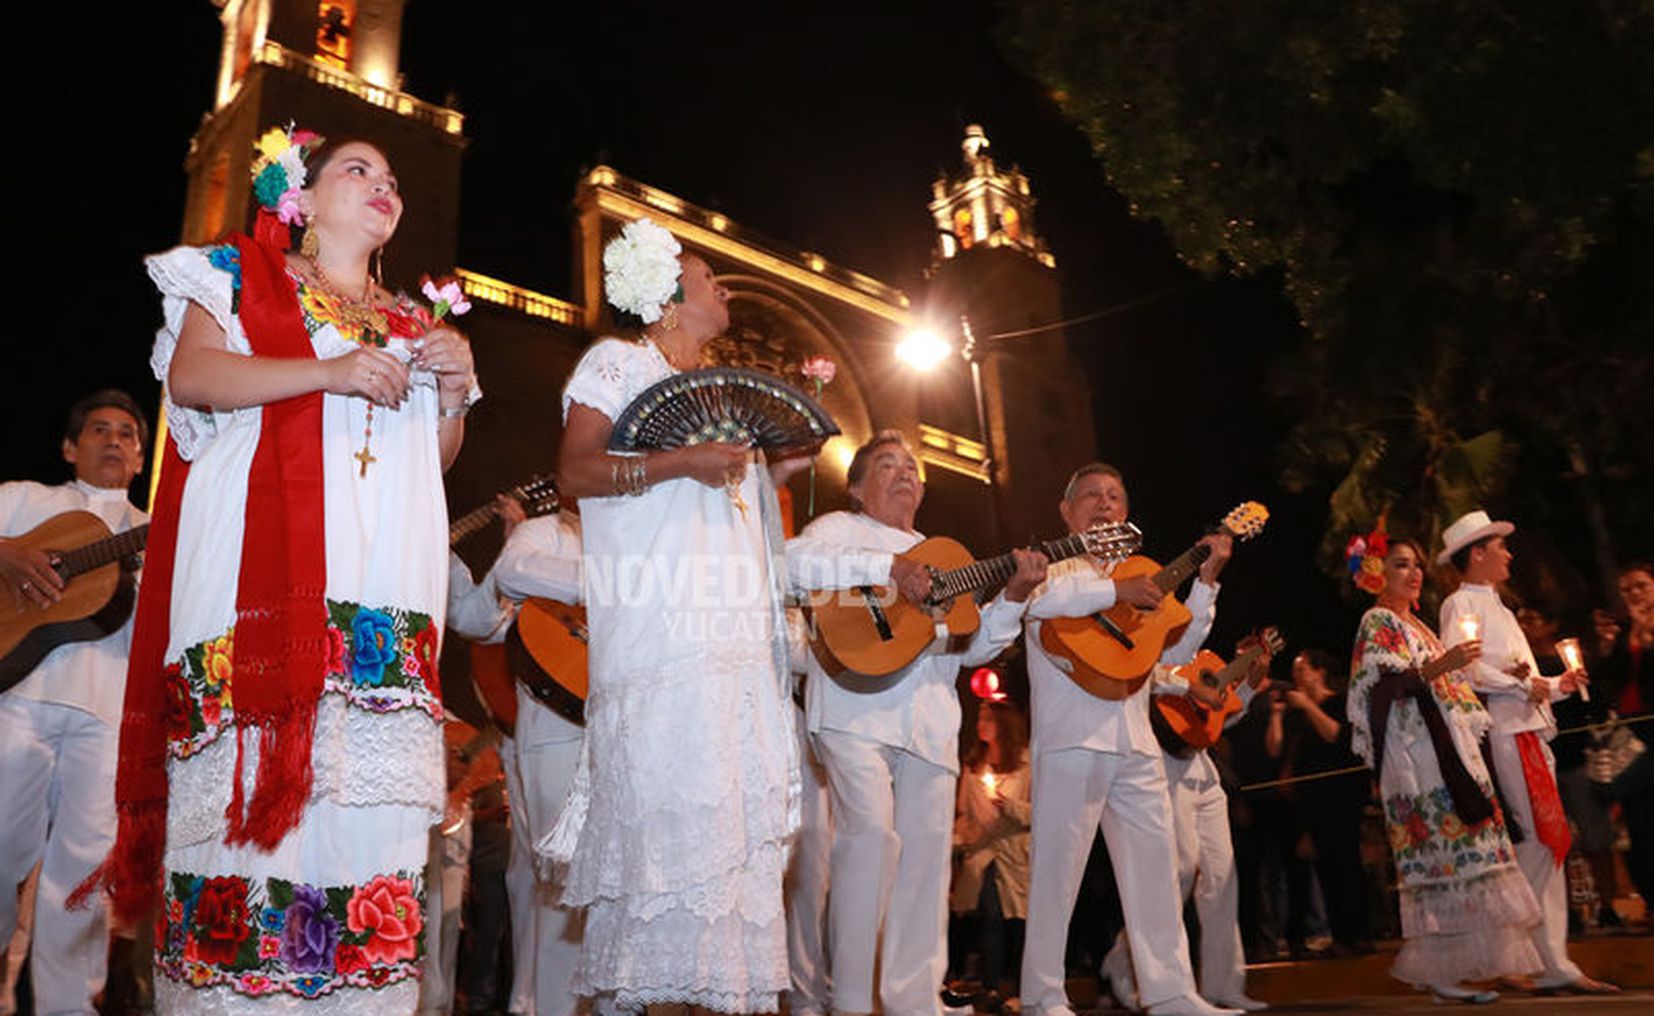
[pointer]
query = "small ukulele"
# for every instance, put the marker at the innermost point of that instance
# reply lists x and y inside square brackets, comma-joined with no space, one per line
[1184,725]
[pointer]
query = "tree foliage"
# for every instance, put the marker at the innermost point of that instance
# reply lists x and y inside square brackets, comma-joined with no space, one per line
[1459,197]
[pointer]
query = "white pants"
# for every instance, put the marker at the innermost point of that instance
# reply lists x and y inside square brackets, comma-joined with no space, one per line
[892,836]
[1205,868]
[446,870]
[1076,791]
[1548,879]
[539,768]
[57,793]
[806,888]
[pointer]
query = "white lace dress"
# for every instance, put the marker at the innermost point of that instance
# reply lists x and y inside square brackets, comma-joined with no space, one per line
[331,920]
[677,831]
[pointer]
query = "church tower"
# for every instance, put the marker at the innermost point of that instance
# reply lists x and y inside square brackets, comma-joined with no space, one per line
[331,66]
[993,277]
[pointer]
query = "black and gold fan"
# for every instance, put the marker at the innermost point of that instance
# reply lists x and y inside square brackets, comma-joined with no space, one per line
[722,404]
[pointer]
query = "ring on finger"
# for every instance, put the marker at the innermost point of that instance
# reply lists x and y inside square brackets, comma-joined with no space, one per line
[26,586]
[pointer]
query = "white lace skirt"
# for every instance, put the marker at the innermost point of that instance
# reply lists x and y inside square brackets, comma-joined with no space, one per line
[679,826]
[1470,932]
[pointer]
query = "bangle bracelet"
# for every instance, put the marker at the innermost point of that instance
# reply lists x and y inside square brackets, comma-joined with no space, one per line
[456,413]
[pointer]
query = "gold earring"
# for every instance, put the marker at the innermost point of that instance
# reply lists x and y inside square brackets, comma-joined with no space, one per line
[311,245]
[669,318]
[379,267]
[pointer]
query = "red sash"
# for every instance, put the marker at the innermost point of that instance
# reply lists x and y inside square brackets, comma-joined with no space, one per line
[1550,823]
[280,648]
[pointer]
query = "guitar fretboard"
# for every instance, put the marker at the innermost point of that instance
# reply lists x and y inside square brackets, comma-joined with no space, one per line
[96,555]
[1184,565]
[469,523]
[981,574]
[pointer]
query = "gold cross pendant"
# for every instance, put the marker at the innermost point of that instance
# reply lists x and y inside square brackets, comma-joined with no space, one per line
[733,487]
[366,458]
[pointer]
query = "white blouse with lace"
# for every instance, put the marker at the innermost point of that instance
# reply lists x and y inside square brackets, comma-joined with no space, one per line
[676,833]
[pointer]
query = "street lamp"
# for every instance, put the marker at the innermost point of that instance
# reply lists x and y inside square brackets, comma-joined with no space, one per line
[923,349]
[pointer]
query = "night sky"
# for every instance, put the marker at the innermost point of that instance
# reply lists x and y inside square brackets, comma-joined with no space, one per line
[822,126]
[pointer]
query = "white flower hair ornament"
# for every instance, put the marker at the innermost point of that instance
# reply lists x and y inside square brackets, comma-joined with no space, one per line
[641,271]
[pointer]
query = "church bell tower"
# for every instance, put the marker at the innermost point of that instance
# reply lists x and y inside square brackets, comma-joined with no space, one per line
[331,66]
[993,274]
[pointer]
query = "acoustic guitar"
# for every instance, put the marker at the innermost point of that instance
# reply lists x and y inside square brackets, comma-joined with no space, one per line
[873,630]
[547,648]
[1110,654]
[100,587]
[538,496]
[1185,726]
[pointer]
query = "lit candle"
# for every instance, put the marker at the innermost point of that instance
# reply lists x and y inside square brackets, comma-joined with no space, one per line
[1575,660]
[1470,626]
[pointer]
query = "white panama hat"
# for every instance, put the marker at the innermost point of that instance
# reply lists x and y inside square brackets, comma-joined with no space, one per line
[1467,529]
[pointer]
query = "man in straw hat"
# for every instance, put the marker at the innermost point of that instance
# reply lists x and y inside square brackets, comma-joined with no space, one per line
[1518,700]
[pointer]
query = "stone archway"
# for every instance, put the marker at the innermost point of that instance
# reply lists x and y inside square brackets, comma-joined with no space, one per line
[771,329]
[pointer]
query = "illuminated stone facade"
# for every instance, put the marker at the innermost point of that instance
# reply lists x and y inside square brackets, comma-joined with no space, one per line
[331,67]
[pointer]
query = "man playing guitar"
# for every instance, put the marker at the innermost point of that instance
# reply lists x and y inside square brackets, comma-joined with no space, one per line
[1096,763]
[60,726]
[890,746]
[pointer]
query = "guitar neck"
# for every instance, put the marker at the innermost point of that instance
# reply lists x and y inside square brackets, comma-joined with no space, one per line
[469,523]
[981,574]
[96,555]
[1184,565]
[1234,671]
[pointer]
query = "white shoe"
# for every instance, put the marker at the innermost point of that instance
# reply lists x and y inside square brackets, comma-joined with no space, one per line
[1245,1003]
[1121,983]
[1189,1005]
[1446,993]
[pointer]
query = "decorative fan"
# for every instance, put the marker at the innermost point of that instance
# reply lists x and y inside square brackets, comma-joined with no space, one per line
[721,404]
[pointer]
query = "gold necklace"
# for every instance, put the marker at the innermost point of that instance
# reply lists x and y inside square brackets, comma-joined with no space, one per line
[359,314]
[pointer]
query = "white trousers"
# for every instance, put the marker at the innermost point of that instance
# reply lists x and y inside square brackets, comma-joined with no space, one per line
[539,769]
[1206,869]
[1076,792]
[892,836]
[1548,879]
[447,867]
[806,888]
[57,793]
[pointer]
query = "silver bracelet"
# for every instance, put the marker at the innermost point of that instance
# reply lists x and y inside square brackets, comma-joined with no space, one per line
[456,413]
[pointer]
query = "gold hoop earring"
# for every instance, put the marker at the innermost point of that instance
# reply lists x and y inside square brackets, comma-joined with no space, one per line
[379,267]
[311,245]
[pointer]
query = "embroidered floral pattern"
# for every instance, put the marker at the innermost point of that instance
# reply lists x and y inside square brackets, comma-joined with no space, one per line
[406,320]
[380,659]
[266,936]
[227,258]
[1431,843]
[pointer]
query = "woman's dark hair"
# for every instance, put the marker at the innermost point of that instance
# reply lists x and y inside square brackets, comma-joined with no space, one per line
[1013,736]
[1327,664]
[325,152]
[109,398]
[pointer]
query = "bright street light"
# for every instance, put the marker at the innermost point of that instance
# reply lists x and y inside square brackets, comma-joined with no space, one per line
[922,349]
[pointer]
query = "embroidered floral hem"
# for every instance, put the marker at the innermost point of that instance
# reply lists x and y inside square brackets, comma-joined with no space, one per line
[380,660]
[267,936]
